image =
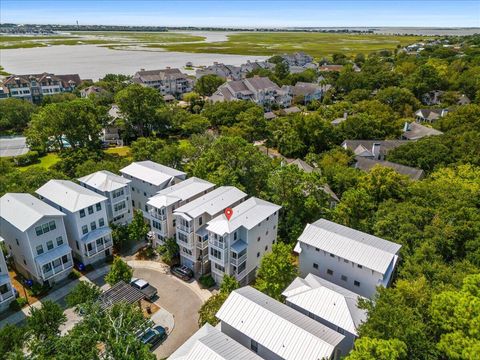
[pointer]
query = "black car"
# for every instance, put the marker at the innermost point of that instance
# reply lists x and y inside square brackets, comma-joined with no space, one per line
[154,335]
[149,291]
[182,271]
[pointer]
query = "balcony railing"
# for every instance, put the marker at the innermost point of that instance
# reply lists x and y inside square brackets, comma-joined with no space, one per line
[238,261]
[202,245]
[157,216]
[187,242]
[96,248]
[185,229]
[7,295]
[217,244]
[57,269]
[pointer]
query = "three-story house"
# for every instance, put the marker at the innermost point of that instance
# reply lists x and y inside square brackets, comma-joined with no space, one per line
[7,294]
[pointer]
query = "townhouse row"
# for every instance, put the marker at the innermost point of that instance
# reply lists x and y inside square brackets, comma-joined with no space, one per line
[320,317]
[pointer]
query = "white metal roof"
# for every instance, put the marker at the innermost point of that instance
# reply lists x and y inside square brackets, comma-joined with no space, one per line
[247,214]
[152,172]
[104,180]
[212,202]
[24,210]
[208,343]
[286,332]
[180,192]
[69,195]
[356,246]
[328,301]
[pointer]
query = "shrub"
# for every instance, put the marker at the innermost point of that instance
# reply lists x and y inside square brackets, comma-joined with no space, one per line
[75,274]
[18,304]
[38,290]
[207,281]
[30,157]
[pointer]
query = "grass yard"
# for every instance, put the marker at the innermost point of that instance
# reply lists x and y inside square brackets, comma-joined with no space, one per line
[46,162]
[123,151]
[315,44]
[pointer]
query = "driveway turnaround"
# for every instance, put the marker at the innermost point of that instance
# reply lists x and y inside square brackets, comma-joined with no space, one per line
[178,299]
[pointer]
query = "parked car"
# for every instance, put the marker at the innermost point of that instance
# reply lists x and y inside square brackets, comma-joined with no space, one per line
[153,336]
[181,271]
[147,289]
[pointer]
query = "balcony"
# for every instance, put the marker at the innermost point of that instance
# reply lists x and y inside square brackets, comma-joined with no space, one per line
[184,228]
[185,240]
[217,244]
[57,269]
[239,260]
[97,246]
[156,215]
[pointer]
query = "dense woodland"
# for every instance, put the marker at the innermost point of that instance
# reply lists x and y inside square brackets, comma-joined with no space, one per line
[432,310]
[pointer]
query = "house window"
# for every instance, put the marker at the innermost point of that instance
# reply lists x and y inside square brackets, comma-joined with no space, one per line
[329,272]
[344,278]
[215,253]
[258,239]
[39,249]
[45,228]
[47,268]
[52,225]
[219,267]
[356,283]
[64,259]
[78,247]
[101,222]
[59,241]
[18,244]
[235,235]
[38,230]
[144,193]
[315,265]
[90,210]
[49,245]
[84,229]
[254,346]
[266,233]
[258,254]
[200,221]
[99,207]
[266,247]
[4,288]
[82,213]
[93,225]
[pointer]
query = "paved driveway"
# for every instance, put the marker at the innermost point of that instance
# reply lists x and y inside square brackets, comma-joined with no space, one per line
[13,146]
[178,299]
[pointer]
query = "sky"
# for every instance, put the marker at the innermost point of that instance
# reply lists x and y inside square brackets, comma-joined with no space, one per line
[247,13]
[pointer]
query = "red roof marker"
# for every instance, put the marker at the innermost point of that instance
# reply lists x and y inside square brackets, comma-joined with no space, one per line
[228,213]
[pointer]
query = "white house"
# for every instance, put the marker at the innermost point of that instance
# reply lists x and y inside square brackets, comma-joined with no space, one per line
[347,257]
[238,245]
[148,178]
[191,224]
[209,343]
[7,294]
[162,205]
[167,81]
[275,331]
[86,219]
[36,237]
[330,304]
[116,189]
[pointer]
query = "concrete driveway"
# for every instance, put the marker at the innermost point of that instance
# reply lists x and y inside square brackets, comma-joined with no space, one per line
[178,299]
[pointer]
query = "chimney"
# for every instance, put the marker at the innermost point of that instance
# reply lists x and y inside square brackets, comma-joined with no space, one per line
[406,127]
[376,150]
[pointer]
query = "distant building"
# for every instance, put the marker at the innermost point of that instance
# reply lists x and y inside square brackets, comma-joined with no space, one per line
[415,131]
[347,257]
[366,164]
[34,87]
[250,66]
[86,92]
[260,90]
[227,72]
[274,330]
[86,222]
[147,179]
[36,237]
[328,68]
[167,81]
[372,149]
[430,115]
[308,91]
[328,303]
[7,294]
[116,189]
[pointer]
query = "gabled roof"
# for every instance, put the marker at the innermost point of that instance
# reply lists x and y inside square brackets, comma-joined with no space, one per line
[284,331]
[356,246]
[152,172]
[180,192]
[365,164]
[414,131]
[247,214]
[69,195]
[209,343]
[104,180]
[213,202]
[384,145]
[328,301]
[24,210]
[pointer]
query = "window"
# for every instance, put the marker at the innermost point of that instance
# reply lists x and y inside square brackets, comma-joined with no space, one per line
[219,267]
[266,247]
[82,213]
[101,222]
[90,210]
[133,189]
[359,266]
[38,230]
[89,247]
[64,259]
[329,272]
[344,278]
[78,247]
[45,228]
[99,207]
[3,289]
[39,249]
[200,221]
[315,265]
[47,268]
[258,254]
[235,236]
[52,225]
[93,225]
[146,207]
[266,233]
[119,206]
[84,229]
[144,193]
[100,241]
[57,263]
[18,244]
[258,239]
[356,283]
[254,346]
[49,245]
[59,241]
[157,225]
[215,253]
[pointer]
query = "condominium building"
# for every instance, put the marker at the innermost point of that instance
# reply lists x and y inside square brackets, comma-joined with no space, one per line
[347,257]
[162,205]
[7,294]
[116,189]
[330,304]
[36,238]
[238,245]
[191,224]
[86,219]
[274,330]
[147,179]
[167,81]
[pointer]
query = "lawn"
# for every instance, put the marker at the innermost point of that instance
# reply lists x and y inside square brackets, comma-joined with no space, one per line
[123,151]
[315,44]
[46,162]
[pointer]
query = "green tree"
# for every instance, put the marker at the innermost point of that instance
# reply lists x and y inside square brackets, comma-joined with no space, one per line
[401,100]
[119,271]
[12,337]
[15,115]
[44,322]
[138,228]
[146,148]
[210,308]
[82,293]
[208,84]
[169,251]
[229,283]
[378,349]
[277,270]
